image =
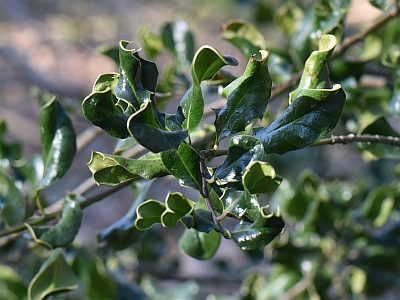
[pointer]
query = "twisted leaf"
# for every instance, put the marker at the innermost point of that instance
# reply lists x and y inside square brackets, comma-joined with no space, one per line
[114,169]
[247,97]
[59,142]
[206,63]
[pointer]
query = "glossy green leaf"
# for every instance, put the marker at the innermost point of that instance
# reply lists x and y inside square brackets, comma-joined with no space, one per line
[178,39]
[243,150]
[380,126]
[206,63]
[260,177]
[59,141]
[12,203]
[100,107]
[63,233]
[198,244]
[114,169]
[148,214]
[54,276]
[247,97]
[243,36]
[184,165]
[311,115]
[240,205]
[138,77]
[257,235]
[123,232]
[200,219]
[177,206]
[151,42]
[315,74]
[12,286]
[143,126]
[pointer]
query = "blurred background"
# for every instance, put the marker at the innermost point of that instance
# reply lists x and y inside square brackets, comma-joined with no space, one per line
[51,46]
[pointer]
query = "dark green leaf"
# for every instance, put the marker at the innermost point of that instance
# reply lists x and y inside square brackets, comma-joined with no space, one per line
[123,233]
[114,169]
[381,4]
[243,36]
[184,164]
[380,126]
[199,245]
[54,276]
[149,213]
[178,39]
[100,107]
[64,232]
[143,126]
[206,63]
[257,235]
[247,97]
[311,115]
[59,142]
[240,205]
[243,150]
[100,285]
[200,219]
[315,74]
[260,177]
[12,203]
[177,206]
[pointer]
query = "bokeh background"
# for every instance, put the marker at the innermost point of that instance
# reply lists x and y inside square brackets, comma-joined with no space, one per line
[51,46]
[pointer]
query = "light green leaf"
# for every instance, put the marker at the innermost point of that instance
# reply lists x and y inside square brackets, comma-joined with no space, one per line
[177,206]
[198,244]
[64,232]
[315,74]
[54,276]
[12,203]
[247,97]
[206,63]
[114,169]
[148,214]
[59,141]
[151,42]
[260,177]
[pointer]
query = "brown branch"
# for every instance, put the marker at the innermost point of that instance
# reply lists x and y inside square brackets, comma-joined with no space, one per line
[345,139]
[44,218]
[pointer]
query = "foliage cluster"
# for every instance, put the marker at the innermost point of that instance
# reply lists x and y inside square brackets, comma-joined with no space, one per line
[340,236]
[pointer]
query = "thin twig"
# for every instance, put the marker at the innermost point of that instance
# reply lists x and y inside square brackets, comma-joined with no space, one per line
[206,196]
[345,139]
[50,216]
